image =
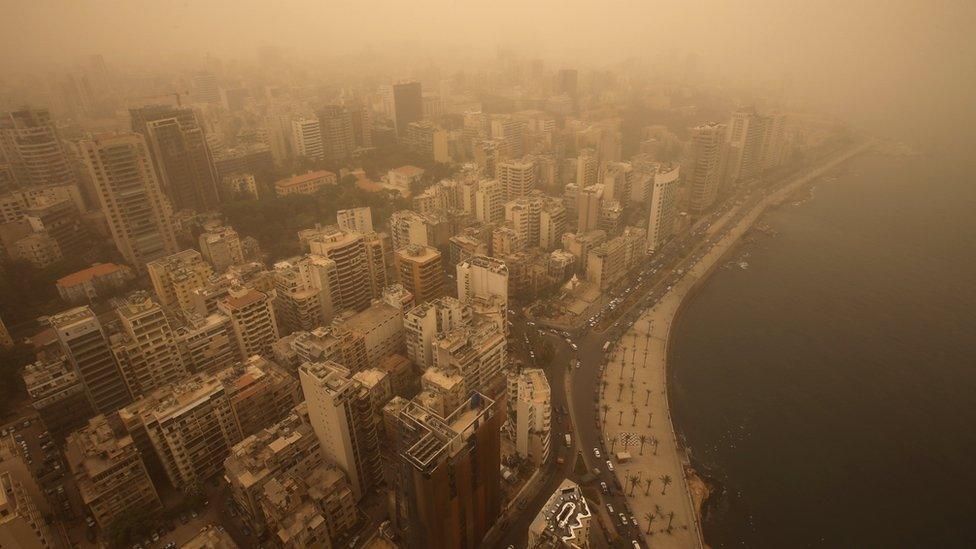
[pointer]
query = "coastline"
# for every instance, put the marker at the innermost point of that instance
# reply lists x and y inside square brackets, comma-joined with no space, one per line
[650,337]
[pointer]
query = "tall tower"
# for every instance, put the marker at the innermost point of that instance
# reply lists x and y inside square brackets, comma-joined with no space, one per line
[147,351]
[33,148]
[178,145]
[660,223]
[306,138]
[408,105]
[517,177]
[420,272]
[705,165]
[336,127]
[86,346]
[138,214]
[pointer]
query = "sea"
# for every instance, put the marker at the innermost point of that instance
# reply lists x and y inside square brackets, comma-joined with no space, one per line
[828,390]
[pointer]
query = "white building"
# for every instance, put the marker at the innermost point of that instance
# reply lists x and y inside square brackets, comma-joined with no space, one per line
[529,394]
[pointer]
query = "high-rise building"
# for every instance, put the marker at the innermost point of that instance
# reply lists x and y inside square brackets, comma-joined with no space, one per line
[564,521]
[221,247]
[617,180]
[189,427]
[109,471]
[342,416]
[523,214]
[490,201]
[338,136]
[31,144]
[480,278]
[178,145]
[424,322]
[306,138]
[587,168]
[138,213]
[420,272]
[207,343]
[704,173]
[86,346]
[744,143]
[57,394]
[590,205]
[146,348]
[517,177]
[448,473]
[509,132]
[528,393]
[261,393]
[252,319]
[352,289]
[552,224]
[205,88]
[660,224]
[358,220]
[476,352]
[22,524]
[408,105]
[175,277]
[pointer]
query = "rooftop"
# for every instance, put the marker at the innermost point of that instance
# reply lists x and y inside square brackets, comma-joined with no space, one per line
[85,275]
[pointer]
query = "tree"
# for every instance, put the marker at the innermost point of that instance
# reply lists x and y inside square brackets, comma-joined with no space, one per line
[649,416]
[620,390]
[647,482]
[643,440]
[670,518]
[647,397]
[603,386]
[634,481]
[613,442]
[605,408]
[655,442]
[620,418]
[666,480]
[634,422]
[650,521]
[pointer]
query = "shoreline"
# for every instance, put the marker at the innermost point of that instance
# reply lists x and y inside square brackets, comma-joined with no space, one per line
[675,516]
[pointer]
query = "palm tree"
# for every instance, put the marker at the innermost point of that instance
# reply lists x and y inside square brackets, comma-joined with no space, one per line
[603,386]
[655,442]
[620,390]
[605,408]
[632,423]
[647,482]
[649,416]
[657,509]
[634,481]
[650,521]
[647,397]
[643,439]
[670,518]
[666,479]
[613,442]
[620,418]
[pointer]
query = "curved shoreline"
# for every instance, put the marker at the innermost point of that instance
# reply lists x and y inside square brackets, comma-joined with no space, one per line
[650,337]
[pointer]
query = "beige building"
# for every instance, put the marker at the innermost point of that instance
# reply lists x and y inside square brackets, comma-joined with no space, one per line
[341,412]
[517,177]
[260,393]
[420,272]
[564,521]
[86,285]
[358,220]
[306,183]
[660,223]
[57,394]
[146,348]
[309,511]
[21,524]
[529,398]
[352,287]
[175,277]
[221,247]
[476,351]
[424,322]
[207,343]
[109,471]
[210,537]
[139,215]
[252,319]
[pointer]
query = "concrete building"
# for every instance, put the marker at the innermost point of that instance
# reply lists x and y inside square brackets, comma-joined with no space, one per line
[336,128]
[606,265]
[589,206]
[221,247]
[744,145]
[21,523]
[617,180]
[408,105]
[252,319]
[580,244]
[523,215]
[178,145]
[261,393]
[476,351]
[309,511]
[31,145]
[189,427]
[529,398]
[146,348]
[420,272]
[39,249]
[370,335]
[341,414]
[482,284]
[517,177]
[353,274]
[306,138]
[210,537]
[306,183]
[359,220]
[490,201]
[207,343]
[552,224]
[447,469]
[138,213]
[57,394]
[176,276]
[587,168]
[660,223]
[109,471]
[85,344]
[704,172]
[423,323]
[87,284]
[564,521]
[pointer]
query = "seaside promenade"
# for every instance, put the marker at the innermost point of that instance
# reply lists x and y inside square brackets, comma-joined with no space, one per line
[633,404]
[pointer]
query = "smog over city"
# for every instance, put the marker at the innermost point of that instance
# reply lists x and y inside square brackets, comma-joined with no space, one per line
[439,274]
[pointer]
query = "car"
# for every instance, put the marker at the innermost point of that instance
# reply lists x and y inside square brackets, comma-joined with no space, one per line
[575,348]
[193,514]
[633,519]
[596,471]
[623,519]
[155,536]
[89,521]
[610,508]
[596,452]
[610,465]
[603,486]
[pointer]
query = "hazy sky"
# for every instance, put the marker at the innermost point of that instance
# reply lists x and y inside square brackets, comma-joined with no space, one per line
[900,52]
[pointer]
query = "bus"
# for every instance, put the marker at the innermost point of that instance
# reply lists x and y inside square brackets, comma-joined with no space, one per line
[569,440]
[606,346]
